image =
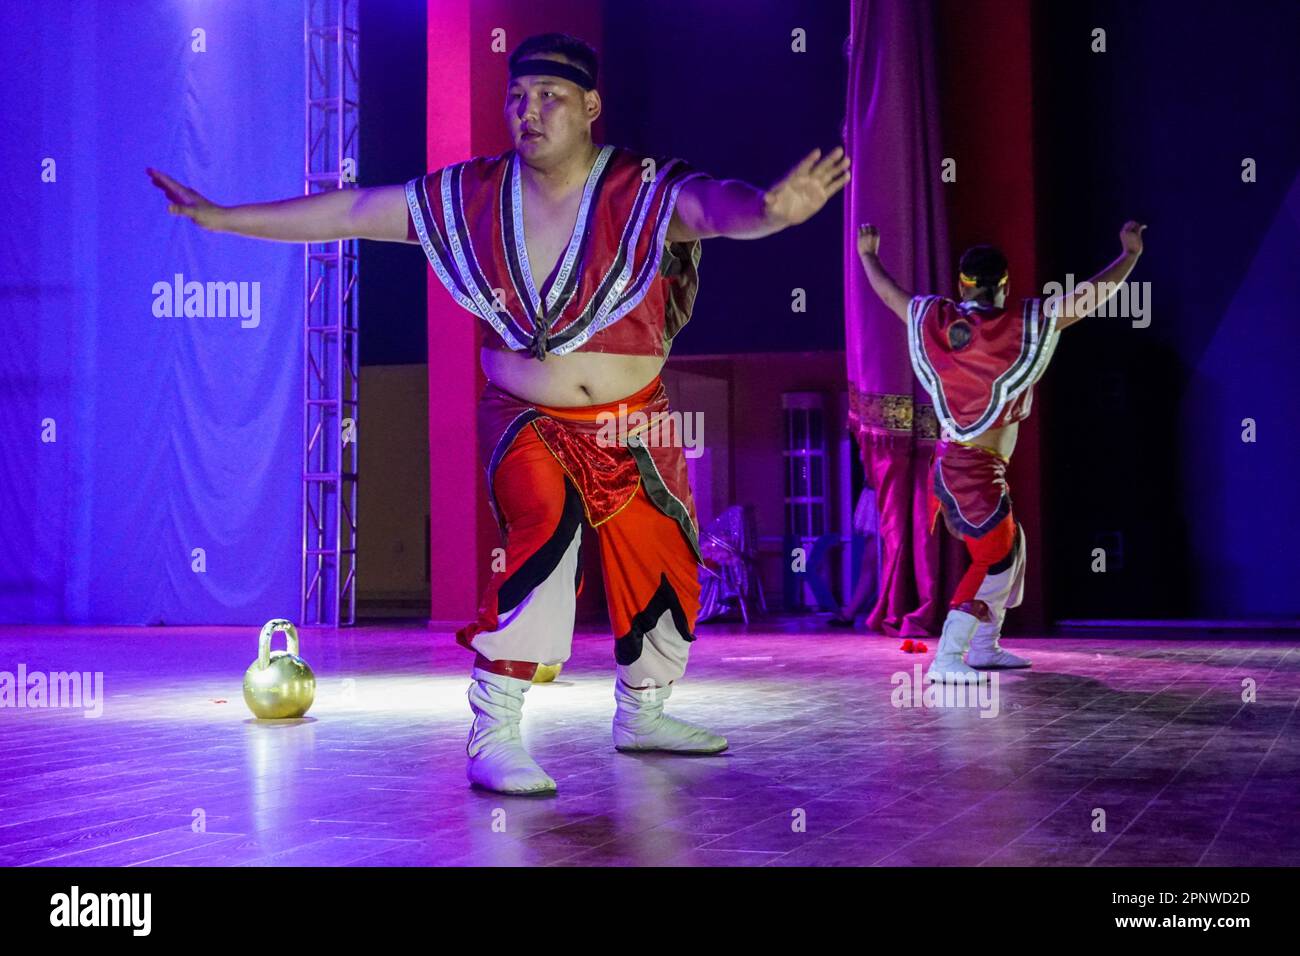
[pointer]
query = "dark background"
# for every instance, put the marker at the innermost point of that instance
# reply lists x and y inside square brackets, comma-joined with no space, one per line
[394,61]
[1142,439]
[1142,451]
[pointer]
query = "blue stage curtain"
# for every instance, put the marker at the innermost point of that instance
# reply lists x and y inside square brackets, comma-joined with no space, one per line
[129,440]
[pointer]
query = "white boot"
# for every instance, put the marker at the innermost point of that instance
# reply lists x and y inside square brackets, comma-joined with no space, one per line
[958,629]
[999,592]
[985,651]
[497,758]
[641,724]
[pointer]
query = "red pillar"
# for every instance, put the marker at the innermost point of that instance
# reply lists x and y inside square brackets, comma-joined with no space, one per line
[985,52]
[467,76]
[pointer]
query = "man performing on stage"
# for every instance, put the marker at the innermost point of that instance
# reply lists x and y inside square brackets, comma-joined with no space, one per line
[979,361]
[582,260]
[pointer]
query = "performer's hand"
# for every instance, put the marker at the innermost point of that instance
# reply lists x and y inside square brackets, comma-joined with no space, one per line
[868,240]
[1130,237]
[807,187]
[185,201]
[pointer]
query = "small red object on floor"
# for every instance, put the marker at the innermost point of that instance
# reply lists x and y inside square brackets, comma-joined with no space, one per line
[921,648]
[907,646]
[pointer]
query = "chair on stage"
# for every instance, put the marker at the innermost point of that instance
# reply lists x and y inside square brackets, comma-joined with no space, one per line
[730,574]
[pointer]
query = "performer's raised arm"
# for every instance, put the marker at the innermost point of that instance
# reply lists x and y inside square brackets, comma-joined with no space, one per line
[1088,297]
[708,207]
[890,292]
[375,213]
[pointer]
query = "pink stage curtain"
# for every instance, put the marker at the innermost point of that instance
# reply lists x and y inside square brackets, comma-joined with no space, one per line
[892,135]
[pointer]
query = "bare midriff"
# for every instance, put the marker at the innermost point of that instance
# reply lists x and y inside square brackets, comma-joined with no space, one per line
[1002,440]
[575,379]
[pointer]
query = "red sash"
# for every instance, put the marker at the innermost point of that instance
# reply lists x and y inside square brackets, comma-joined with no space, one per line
[606,474]
[969,488]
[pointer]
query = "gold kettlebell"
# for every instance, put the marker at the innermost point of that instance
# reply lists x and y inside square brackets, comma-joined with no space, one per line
[279,684]
[546,673]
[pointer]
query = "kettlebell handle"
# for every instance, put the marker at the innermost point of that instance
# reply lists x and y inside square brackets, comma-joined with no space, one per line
[264,640]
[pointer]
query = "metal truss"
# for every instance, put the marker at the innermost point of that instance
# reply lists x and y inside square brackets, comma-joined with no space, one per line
[331,364]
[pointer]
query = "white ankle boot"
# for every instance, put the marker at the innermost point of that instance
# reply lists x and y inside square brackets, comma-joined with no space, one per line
[641,724]
[958,629]
[999,592]
[497,758]
[985,651]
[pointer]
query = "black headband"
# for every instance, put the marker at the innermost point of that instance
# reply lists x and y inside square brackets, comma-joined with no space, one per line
[552,68]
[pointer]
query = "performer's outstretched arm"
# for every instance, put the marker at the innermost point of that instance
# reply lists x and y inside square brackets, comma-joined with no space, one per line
[890,292]
[375,213]
[736,210]
[1088,297]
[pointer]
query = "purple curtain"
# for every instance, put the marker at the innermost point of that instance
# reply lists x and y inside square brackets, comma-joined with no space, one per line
[152,455]
[892,135]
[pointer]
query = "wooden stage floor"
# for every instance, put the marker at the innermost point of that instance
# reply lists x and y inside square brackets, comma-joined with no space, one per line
[1151,738]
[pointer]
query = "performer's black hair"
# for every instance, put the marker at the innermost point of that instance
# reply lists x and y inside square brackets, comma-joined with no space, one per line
[579,52]
[985,264]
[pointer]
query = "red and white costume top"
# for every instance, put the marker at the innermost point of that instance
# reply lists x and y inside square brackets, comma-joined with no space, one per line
[979,363]
[618,287]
